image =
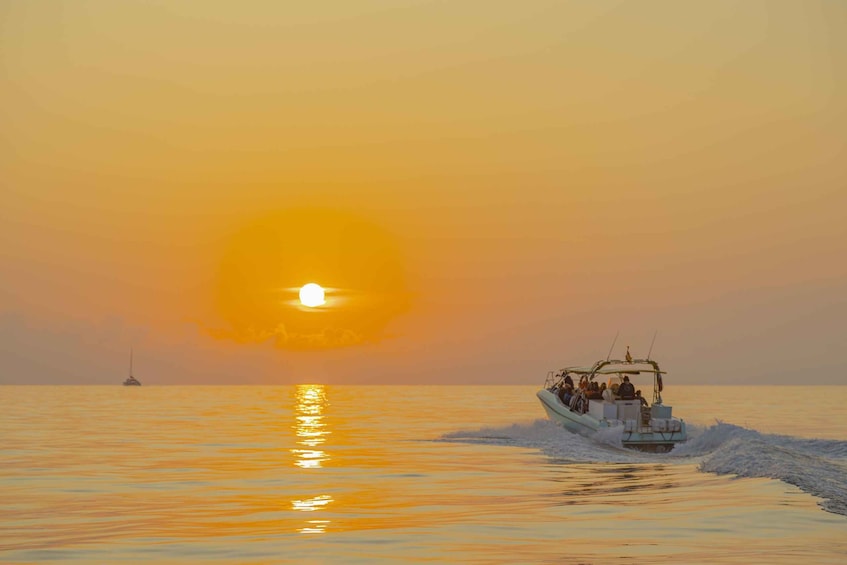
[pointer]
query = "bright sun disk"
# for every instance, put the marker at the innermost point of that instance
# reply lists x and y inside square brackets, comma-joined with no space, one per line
[312,295]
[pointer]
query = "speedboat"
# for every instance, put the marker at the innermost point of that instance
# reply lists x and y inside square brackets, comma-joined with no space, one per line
[589,407]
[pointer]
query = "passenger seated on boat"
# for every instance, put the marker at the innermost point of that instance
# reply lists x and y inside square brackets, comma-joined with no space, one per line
[565,394]
[579,403]
[626,391]
[594,391]
[569,381]
[600,393]
[641,398]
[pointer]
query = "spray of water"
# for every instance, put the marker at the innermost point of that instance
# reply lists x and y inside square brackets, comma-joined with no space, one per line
[818,467]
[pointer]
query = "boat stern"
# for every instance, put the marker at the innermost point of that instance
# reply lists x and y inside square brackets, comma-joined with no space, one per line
[659,435]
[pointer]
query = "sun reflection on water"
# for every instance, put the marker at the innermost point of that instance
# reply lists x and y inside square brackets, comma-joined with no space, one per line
[314,527]
[310,426]
[311,431]
[311,504]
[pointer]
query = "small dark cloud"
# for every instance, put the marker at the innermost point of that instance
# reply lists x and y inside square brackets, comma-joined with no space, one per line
[327,338]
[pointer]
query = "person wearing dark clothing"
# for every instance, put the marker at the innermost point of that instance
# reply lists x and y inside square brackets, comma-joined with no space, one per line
[641,398]
[568,380]
[579,403]
[565,393]
[594,391]
[626,391]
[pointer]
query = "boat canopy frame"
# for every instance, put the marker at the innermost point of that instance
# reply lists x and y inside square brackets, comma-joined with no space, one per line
[554,379]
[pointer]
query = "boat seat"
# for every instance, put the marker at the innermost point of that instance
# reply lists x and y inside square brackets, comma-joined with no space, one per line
[628,409]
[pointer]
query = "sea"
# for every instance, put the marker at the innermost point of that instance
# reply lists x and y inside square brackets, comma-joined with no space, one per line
[413,474]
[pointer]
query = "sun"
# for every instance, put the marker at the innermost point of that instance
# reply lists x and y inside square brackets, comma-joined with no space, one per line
[312,295]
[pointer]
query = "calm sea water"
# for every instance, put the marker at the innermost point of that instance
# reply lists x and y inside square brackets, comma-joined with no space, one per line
[347,474]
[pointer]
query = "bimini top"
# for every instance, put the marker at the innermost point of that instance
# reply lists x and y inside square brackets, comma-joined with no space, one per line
[615,367]
[620,367]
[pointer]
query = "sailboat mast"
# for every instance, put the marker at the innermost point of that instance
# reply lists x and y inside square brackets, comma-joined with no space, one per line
[130,361]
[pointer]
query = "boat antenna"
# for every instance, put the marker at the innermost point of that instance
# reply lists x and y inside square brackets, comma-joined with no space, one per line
[613,345]
[651,344]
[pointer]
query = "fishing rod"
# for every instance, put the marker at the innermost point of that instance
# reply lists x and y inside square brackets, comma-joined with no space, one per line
[651,344]
[613,345]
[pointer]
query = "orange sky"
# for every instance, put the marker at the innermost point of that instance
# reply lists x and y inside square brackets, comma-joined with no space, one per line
[491,189]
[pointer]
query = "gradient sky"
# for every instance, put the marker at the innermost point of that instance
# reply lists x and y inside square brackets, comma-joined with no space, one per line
[490,190]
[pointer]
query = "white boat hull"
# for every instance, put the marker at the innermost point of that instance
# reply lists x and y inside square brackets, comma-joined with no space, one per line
[659,434]
[562,415]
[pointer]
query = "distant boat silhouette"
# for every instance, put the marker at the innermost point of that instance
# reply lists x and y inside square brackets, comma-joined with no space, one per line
[131,381]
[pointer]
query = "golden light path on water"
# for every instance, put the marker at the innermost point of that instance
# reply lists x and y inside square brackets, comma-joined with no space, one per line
[311,431]
[186,475]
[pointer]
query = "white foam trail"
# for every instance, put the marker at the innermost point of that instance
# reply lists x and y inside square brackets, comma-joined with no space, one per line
[554,441]
[818,467]
[814,466]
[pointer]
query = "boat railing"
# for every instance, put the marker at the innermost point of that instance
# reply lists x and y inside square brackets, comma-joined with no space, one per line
[553,378]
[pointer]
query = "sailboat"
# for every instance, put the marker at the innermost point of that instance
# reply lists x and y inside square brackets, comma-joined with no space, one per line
[131,381]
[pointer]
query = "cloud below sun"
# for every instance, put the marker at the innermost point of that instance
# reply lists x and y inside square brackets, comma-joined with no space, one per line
[267,261]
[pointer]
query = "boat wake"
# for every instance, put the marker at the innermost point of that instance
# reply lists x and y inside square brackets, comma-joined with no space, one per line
[817,467]
[555,441]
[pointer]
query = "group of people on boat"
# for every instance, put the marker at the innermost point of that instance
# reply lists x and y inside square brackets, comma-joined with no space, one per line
[577,398]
